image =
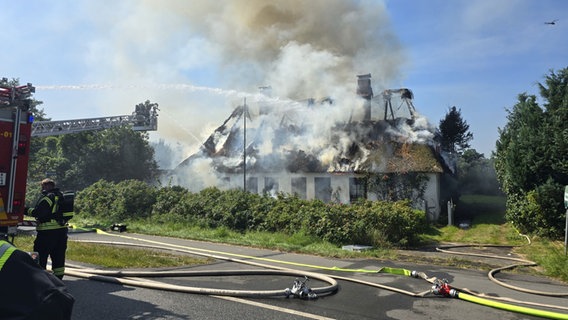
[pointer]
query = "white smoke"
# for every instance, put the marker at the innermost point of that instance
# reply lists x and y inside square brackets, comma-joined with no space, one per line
[418,131]
[302,49]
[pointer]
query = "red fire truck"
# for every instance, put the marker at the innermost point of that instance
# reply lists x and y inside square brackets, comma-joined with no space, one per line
[17,126]
[15,134]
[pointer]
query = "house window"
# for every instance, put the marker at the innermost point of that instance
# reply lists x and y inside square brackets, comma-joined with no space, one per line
[323,189]
[357,189]
[252,185]
[299,187]
[270,186]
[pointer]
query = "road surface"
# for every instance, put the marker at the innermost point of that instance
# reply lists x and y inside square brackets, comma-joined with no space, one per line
[101,300]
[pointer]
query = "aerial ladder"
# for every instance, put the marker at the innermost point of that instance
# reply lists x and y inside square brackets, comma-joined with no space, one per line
[17,126]
[144,118]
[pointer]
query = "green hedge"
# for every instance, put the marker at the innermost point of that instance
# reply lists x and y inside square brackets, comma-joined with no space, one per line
[539,211]
[117,201]
[376,223]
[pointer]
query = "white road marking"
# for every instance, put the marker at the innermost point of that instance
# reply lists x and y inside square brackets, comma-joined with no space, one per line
[267,306]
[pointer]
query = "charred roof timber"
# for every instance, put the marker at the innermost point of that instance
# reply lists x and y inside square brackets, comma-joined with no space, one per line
[365,91]
[406,97]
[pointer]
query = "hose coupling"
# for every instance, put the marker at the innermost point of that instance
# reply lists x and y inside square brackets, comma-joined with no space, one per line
[300,290]
[442,288]
[454,293]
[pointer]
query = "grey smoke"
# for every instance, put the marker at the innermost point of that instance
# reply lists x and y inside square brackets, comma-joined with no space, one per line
[302,49]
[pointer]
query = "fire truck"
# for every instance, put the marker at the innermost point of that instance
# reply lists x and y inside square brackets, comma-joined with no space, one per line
[17,127]
[15,134]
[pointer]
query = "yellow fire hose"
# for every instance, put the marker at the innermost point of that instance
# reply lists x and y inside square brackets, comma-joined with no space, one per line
[512,308]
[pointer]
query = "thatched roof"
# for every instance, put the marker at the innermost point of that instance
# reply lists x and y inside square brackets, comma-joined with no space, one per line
[385,146]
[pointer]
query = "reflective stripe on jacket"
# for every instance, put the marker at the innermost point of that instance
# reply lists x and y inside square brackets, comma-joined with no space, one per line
[52,207]
[50,225]
[6,250]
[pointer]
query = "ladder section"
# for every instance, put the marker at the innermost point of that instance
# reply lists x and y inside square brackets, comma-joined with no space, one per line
[145,118]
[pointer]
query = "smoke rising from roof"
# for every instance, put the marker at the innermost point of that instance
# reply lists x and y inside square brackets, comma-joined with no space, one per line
[302,49]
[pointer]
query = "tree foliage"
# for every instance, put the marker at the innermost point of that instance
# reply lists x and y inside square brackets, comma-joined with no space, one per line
[531,160]
[455,135]
[477,174]
[81,159]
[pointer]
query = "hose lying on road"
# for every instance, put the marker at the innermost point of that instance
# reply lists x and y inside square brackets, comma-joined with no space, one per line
[117,276]
[124,277]
[463,294]
[493,272]
[468,295]
[511,307]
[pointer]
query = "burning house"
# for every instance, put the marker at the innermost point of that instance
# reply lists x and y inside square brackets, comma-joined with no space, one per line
[377,148]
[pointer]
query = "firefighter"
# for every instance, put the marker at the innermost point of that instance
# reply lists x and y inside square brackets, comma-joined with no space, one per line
[28,292]
[51,239]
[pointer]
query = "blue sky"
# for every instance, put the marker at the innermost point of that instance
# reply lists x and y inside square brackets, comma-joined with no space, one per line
[199,59]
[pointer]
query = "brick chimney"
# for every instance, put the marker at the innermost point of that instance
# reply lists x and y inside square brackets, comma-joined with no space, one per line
[365,91]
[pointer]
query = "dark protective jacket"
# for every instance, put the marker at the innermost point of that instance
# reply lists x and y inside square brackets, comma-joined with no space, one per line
[49,211]
[27,291]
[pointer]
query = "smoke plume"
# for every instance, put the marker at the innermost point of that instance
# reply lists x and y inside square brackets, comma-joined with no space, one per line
[301,49]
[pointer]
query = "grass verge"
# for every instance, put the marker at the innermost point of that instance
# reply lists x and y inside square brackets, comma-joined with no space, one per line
[485,213]
[488,226]
[109,256]
[550,256]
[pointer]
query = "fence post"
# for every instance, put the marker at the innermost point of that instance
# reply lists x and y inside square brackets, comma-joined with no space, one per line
[450,213]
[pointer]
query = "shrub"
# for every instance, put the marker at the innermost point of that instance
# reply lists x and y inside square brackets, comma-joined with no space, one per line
[377,223]
[167,199]
[284,214]
[117,202]
[96,200]
[134,199]
[231,209]
[534,212]
[398,222]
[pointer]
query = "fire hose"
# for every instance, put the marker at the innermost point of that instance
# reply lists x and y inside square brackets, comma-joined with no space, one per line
[299,288]
[493,272]
[439,287]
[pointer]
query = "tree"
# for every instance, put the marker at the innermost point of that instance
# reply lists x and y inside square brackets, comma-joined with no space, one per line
[531,159]
[79,160]
[455,135]
[522,147]
[477,174]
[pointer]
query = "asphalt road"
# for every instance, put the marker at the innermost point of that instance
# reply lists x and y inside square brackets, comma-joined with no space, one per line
[101,300]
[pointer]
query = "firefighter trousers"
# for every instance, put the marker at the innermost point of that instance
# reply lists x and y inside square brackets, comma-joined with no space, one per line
[53,244]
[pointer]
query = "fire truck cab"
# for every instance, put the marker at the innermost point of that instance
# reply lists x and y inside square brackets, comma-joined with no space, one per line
[15,135]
